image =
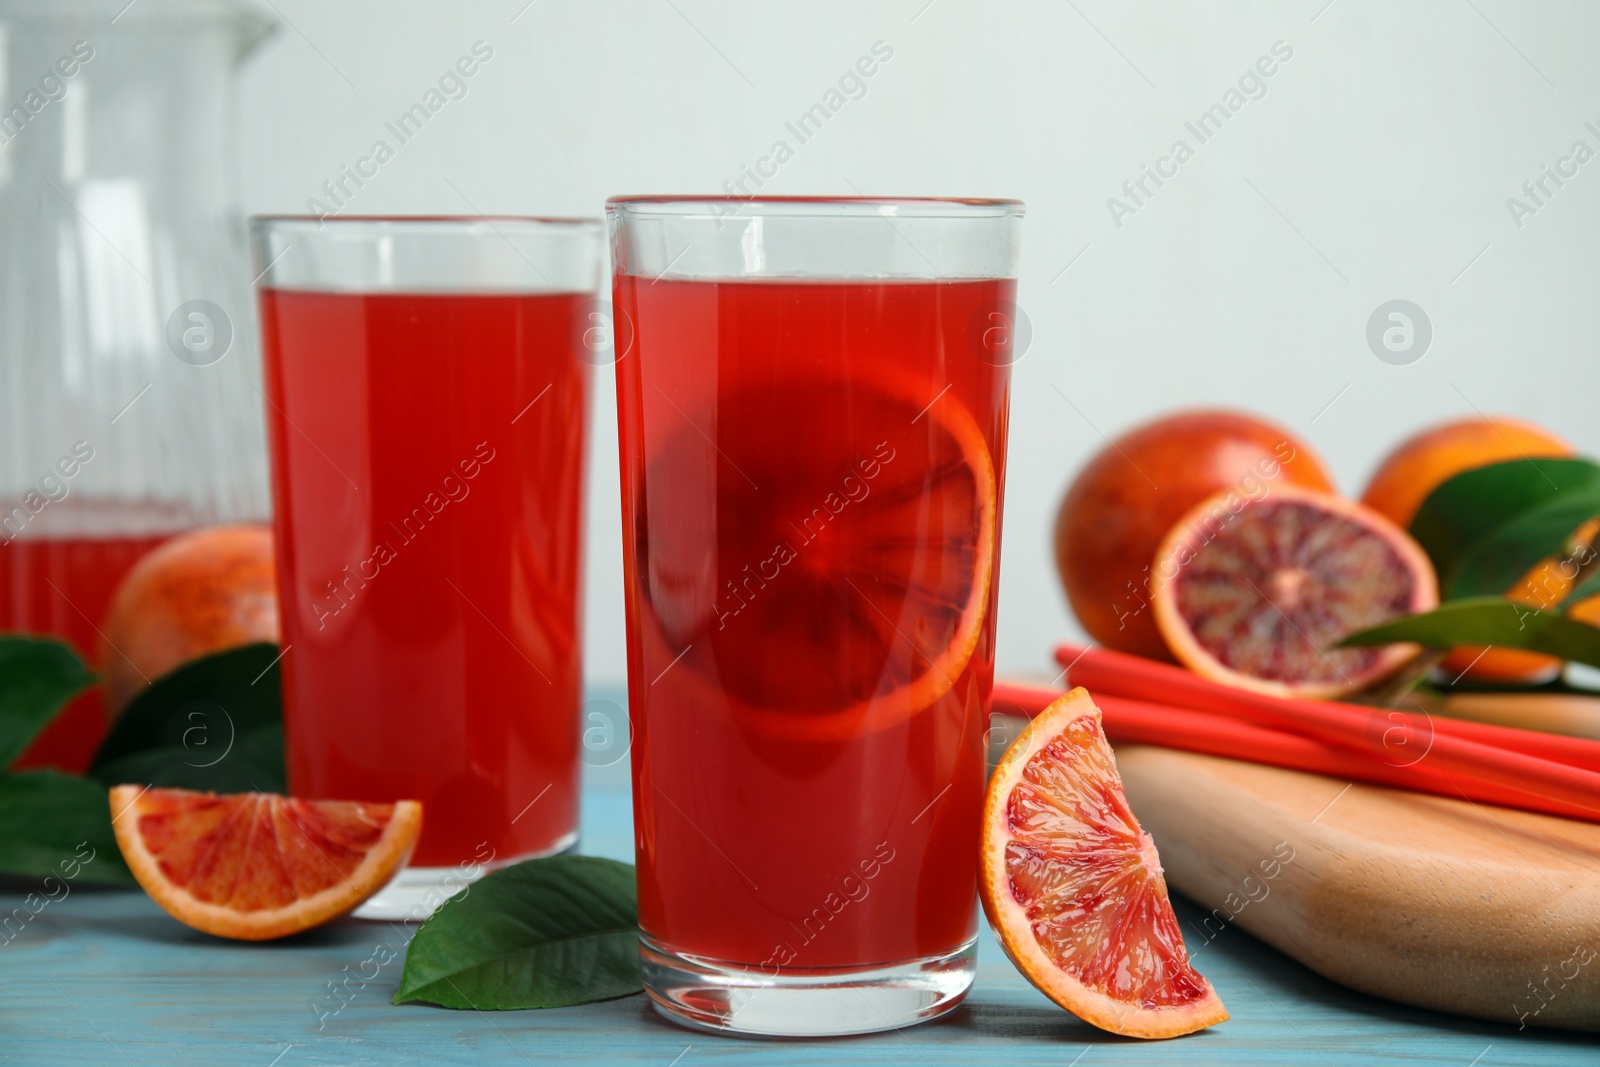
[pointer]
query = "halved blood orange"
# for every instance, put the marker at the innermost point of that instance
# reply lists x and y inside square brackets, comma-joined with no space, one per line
[1257,592]
[255,866]
[826,582]
[1074,888]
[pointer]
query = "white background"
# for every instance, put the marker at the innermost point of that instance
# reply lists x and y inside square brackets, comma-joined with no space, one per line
[1377,166]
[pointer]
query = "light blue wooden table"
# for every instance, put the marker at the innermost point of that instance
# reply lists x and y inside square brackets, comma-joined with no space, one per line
[105,977]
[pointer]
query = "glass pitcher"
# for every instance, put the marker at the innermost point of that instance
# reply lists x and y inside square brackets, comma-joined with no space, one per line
[130,407]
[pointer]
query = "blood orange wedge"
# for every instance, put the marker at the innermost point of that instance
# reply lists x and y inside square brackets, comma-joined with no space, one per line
[255,866]
[1074,889]
[1256,593]
[826,565]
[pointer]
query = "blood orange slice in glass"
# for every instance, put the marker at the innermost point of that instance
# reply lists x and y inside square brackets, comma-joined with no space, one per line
[256,866]
[1257,593]
[1074,888]
[827,570]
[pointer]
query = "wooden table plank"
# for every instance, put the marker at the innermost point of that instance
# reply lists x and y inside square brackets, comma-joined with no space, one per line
[104,977]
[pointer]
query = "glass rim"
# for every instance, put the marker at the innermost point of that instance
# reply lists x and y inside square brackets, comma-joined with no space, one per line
[431,223]
[721,206]
[426,253]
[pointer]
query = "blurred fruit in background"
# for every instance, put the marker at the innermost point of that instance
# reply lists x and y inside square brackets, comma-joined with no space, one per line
[199,593]
[1123,503]
[1423,462]
[1587,611]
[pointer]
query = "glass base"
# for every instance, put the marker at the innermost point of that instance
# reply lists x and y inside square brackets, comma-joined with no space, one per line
[417,892]
[706,995]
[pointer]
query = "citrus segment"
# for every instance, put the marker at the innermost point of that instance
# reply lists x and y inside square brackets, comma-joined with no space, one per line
[851,581]
[255,866]
[1257,593]
[1074,888]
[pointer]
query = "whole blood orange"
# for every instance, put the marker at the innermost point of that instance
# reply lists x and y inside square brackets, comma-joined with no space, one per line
[1129,495]
[206,591]
[255,866]
[1073,886]
[1258,593]
[1425,461]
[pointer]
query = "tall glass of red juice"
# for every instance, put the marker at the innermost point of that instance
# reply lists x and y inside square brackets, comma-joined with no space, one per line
[426,390]
[812,411]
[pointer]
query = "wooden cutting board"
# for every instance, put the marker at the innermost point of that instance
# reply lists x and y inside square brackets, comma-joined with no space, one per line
[1442,903]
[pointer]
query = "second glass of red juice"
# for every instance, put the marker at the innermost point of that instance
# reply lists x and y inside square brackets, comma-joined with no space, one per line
[426,392]
[812,416]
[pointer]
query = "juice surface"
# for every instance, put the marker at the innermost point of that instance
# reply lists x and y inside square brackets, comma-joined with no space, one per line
[806,467]
[61,587]
[427,459]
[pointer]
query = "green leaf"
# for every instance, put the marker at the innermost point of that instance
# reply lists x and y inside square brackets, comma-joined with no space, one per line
[1490,620]
[215,723]
[254,764]
[37,675]
[55,824]
[539,934]
[1485,528]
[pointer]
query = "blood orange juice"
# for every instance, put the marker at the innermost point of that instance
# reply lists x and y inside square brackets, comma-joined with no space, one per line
[427,456]
[60,587]
[811,477]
